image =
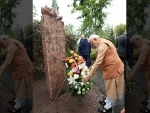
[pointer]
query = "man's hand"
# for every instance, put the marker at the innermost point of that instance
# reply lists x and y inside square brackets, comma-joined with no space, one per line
[132,68]
[123,111]
[90,67]
[129,78]
[85,79]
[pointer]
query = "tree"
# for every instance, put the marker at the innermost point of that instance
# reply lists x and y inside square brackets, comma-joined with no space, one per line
[7,16]
[71,39]
[112,37]
[136,16]
[34,12]
[91,13]
[55,5]
[120,29]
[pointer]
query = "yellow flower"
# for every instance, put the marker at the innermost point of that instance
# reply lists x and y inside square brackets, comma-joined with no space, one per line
[70,73]
[75,55]
[70,61]
[72,52]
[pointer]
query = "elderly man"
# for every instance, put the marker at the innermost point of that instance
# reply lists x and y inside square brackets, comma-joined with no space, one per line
[143,61]
[113,70]
[121,46]
[22,67]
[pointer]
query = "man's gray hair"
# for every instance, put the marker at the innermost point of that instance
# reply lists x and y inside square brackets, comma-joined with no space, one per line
[3,36]
[92,37]
[82,36]
[134,37]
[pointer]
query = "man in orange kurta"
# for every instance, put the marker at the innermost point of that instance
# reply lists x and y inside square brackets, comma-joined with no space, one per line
[22,67]
[144,60]
[113,70]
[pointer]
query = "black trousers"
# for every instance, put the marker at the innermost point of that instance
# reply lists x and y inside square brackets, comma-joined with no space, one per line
[87,59]
[130,60]
[123,59]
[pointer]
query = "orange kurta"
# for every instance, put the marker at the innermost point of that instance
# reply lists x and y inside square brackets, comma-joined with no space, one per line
[22,67]
[144,59]
[108,60]
[112,66]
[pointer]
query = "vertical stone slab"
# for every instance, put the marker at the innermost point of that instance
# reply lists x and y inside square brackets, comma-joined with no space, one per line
[53,42]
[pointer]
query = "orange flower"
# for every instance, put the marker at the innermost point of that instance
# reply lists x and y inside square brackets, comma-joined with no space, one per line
[67,58]
[80,60]
[73,65]
[76,58]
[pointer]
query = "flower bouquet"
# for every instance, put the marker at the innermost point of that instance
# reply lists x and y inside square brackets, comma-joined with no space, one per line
[76,69]
[129,85]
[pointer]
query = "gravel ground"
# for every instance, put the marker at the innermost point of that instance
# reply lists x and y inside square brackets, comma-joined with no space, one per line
[67,104]
[5,96]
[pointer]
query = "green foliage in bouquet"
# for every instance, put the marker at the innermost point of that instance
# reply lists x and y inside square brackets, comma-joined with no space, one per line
[76,70]
[129,85]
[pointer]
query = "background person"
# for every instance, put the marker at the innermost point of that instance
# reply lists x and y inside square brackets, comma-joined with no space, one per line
[84,50]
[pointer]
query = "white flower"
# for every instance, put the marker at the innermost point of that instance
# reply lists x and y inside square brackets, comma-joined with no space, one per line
[82,83]
[76,76]
[88,89]
[71,80]
[87,82]
[76,87]
[83,93]
[83,89]
[85,71]
[79,92]
[82,73]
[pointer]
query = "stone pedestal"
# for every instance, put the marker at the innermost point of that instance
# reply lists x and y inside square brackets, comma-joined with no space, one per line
[53,41]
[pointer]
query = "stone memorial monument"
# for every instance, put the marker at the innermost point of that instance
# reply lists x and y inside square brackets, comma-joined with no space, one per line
[53,41]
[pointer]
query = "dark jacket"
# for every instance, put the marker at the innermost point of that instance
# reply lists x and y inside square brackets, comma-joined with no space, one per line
[121,45]
[29,47]
[129,47]
[84,47]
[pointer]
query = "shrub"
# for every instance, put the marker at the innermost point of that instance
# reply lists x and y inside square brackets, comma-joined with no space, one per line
[70,43]
[135,55]
[93,54]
